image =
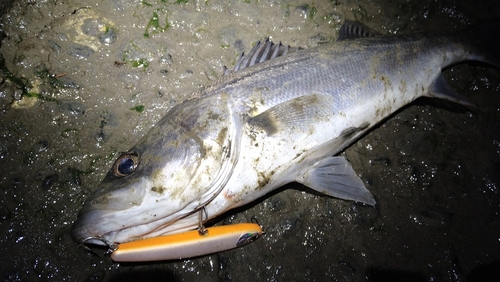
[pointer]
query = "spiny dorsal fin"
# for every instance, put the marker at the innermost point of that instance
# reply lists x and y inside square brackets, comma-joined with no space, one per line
[261,52]
[353,30]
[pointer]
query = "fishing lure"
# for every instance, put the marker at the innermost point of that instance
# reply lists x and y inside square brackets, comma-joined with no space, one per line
[188,244]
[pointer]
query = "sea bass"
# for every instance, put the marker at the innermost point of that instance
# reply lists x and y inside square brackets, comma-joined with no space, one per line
[277,118]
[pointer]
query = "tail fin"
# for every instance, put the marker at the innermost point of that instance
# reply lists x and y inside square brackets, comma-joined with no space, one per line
[485,37]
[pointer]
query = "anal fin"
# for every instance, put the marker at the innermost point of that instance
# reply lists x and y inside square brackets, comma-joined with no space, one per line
[439,88]
[335,177]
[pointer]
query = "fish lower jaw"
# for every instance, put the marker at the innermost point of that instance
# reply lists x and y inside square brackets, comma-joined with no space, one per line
[95,241]
[145,231]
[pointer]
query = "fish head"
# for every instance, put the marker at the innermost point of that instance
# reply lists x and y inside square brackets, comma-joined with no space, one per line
[159,186]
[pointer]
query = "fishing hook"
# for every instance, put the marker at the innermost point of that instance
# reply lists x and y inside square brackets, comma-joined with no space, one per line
[201,228]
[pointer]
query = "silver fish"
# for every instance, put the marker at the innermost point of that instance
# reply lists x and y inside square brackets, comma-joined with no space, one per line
[281,116]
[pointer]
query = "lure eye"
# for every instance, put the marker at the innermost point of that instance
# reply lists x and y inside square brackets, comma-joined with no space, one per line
[126,164]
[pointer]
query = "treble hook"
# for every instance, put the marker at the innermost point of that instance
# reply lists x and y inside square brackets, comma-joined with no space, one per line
[253,219]
[201,228]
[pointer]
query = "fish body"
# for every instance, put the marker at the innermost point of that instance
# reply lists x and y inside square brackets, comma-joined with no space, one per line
[273,122]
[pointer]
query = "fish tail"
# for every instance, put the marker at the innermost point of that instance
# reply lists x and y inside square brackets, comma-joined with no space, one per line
[485,38]
[479,42]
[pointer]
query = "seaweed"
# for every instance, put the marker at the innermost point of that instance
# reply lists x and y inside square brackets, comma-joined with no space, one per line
[22,83]
[153,26]
[139,108]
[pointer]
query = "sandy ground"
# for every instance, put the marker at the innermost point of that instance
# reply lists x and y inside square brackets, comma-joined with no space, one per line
[84,80]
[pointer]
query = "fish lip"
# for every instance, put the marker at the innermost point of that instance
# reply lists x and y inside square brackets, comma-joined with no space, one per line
[84,232]
[83,236]
[95,241]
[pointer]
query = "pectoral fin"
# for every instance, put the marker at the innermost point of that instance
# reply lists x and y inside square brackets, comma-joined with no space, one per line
[294,115]
[335,177]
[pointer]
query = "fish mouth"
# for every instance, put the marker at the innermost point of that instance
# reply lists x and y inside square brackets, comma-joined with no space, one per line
[109,211]
[96,241]
[90,228]
[84,229]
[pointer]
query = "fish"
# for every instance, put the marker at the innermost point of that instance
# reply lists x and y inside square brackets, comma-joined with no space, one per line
[281,115]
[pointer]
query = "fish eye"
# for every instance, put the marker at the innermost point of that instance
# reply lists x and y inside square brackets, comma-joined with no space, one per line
[126,164]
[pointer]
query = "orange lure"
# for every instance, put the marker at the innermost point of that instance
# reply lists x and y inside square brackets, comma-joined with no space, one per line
[188,244]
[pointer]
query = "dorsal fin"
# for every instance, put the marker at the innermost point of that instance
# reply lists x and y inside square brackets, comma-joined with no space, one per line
[261,52]
[353,30]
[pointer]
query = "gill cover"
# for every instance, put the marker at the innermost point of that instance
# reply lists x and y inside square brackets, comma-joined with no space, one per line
[181,165]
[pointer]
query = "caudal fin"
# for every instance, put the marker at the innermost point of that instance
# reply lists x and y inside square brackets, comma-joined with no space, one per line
[485,37]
